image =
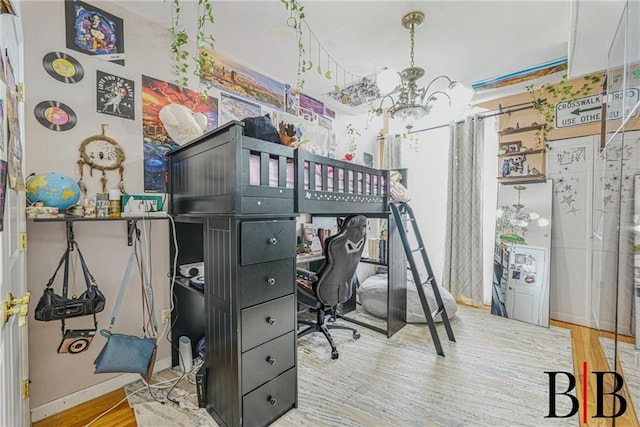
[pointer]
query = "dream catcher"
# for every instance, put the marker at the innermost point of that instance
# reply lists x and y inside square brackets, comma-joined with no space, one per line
[102,153]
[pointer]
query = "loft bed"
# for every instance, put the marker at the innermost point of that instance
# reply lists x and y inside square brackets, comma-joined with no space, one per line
[224,171]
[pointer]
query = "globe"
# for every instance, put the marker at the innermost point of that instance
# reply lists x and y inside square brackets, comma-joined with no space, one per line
[53,189]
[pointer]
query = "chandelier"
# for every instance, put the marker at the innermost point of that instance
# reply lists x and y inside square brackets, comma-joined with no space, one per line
[512,221]
[413,102]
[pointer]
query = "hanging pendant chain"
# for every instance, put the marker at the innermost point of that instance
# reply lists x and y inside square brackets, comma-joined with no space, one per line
[412,43]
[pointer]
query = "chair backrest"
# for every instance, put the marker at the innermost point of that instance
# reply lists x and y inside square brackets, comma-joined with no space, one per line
[342,254]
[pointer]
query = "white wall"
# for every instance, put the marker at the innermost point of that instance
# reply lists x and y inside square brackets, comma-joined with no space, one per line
[104,245]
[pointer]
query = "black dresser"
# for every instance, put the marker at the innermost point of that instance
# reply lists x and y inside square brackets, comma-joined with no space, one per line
[249,313]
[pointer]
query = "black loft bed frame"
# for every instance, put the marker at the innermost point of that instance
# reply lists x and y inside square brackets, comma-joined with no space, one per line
[236,199]
[211,175]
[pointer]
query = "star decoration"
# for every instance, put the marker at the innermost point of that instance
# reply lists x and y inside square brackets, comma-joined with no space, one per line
[607,186]
[568,200]
[606,200]
[567,188]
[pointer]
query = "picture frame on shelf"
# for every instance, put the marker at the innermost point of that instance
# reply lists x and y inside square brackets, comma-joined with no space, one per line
[513,147]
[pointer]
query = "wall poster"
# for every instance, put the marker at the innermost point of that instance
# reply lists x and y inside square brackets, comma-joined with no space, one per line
[93,31]
[232,108]
[230,76]
[115,95]
[155,95]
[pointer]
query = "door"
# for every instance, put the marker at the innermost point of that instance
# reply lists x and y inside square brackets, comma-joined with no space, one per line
[14,364]
[526,284]
[570,164]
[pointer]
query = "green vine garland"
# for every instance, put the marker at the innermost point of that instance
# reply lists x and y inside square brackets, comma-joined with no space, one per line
[294,21]
[557,93]
[180,40]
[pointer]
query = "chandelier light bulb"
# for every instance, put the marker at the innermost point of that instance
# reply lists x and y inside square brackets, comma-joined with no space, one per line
[460,94]
[388,81]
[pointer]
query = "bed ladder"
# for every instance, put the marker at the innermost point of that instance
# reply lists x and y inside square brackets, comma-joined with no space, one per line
[402,212]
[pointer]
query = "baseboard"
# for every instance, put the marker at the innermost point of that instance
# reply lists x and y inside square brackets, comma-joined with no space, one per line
[69,401]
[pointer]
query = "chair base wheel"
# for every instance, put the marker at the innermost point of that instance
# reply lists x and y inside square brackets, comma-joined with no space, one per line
[356,335]
[334,354]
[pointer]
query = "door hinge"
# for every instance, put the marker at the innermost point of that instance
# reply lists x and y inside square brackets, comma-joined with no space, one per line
[26,389]
[20,92]
[23,241]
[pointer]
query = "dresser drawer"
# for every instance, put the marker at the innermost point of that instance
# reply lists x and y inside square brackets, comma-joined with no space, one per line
[266,281]
[262,241]
[265,404]
[267,361]
[264,322]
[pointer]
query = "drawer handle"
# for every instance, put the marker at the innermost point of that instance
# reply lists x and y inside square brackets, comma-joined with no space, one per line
[271,360]
[273,240]
[271,320]
[272,400]
[271,281]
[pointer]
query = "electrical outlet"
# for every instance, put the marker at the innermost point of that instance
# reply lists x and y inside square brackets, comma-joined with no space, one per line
[166,315]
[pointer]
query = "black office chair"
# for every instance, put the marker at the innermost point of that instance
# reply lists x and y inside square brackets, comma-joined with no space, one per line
[331,285]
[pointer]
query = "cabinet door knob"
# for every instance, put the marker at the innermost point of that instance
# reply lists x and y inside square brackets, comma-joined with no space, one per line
[271,281]
[272,400]
[271,360]
[271,320]
[273,240]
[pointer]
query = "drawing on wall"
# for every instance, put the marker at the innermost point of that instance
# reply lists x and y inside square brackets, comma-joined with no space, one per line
[310,104]
[232,77]
[14,155]
[566,189]
[232,108]
[114,95]
[155,95]
[291,101]
[329,113]
[93,31]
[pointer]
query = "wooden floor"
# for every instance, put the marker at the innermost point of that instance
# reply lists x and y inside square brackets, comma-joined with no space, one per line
[585,347]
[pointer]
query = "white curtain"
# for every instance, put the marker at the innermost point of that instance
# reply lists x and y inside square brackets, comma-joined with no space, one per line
[392,152]
[463,274]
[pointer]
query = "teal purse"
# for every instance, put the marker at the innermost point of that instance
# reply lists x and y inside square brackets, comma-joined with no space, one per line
[127,353]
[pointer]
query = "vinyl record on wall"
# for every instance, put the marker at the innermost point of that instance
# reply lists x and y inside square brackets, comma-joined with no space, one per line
[55,115]
[63,67]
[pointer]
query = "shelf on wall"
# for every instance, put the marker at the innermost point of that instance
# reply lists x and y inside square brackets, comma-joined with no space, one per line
[524,178]
[69,220]
[515,153]
[520,130]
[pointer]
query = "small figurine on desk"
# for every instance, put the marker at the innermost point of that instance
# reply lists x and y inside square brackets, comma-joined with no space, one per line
[90,207]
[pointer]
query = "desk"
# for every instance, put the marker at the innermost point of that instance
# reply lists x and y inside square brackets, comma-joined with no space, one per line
[307,258]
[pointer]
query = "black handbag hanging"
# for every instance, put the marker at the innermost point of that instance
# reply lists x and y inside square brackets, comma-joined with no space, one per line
[52,306]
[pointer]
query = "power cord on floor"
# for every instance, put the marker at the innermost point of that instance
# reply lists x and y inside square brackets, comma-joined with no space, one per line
[120,402]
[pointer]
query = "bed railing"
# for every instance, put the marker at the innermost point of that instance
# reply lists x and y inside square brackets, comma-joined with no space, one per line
[326,185]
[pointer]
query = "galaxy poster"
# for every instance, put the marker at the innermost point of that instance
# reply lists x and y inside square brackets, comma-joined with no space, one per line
[155,95]
[93,31]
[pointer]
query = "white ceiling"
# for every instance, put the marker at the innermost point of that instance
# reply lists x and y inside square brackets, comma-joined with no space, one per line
[467,40]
